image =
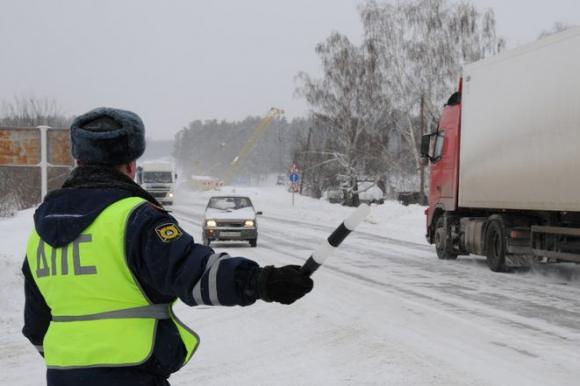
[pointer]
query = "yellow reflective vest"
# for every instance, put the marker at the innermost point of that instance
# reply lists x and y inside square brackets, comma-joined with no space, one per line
[100,315]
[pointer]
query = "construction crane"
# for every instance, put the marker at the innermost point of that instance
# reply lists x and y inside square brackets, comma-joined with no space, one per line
[251,143]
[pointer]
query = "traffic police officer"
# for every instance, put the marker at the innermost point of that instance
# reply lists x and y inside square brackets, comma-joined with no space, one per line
[105,263]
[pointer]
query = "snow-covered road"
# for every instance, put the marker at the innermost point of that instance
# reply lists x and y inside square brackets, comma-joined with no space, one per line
[384,310]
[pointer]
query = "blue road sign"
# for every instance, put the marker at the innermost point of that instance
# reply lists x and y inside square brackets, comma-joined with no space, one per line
[294,178]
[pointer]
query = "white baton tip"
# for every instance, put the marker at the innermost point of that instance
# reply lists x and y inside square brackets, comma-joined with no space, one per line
[322,252]
[357,216]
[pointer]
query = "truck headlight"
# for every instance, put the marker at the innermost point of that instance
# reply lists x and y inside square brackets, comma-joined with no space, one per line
[170,195]
[211,223]
[249,224]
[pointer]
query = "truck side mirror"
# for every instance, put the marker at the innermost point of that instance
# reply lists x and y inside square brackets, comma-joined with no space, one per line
[175,177]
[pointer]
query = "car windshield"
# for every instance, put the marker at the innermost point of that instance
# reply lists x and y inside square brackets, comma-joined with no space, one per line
[162,177]
[231,203]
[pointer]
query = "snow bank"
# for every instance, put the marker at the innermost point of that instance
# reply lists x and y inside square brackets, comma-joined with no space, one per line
[17,356]
[14,233]
[391,219]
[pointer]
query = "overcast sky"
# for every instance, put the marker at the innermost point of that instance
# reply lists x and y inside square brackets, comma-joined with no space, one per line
[175,61]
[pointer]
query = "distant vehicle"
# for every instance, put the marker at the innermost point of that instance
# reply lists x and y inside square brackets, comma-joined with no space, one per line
[158,179]
[504,159]
[206,183]
[334,196]
[281,180]
[370,193]
[229,218]
[409,198]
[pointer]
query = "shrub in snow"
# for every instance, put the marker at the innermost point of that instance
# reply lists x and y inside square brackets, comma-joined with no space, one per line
[9,205]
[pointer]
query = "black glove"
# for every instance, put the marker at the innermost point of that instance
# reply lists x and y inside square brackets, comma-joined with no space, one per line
[283,285]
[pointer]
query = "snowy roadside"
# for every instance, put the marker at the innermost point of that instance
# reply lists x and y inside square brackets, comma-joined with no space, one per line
[17,356]
[14,231]
[21,365]
[382,312]
[391,219]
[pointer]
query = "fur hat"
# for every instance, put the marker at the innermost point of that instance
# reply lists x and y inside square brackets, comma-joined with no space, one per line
[107,136]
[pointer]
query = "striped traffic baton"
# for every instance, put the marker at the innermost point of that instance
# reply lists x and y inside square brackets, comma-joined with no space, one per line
[327,247]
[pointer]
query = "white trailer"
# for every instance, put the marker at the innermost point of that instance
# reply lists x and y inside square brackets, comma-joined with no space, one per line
[520,128]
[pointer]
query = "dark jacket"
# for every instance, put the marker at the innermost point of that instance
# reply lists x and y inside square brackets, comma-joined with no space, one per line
[165,270]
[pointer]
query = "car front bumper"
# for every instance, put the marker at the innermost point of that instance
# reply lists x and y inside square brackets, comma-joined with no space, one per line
[230,233]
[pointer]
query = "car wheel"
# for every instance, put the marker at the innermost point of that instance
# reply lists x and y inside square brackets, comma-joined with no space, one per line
[253,243]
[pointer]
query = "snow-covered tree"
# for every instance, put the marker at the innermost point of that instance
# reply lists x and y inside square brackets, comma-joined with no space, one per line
[422,46]
[30,111]
[378,97]
[348,109]
[556,28]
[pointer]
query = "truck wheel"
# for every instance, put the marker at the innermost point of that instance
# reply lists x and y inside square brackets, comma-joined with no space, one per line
[441,241]
[495,246]
[253,243]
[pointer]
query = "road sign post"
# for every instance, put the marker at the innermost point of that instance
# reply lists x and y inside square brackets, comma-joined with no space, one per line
[294,177]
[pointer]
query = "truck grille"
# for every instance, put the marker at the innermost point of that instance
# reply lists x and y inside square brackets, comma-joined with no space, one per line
[158,194]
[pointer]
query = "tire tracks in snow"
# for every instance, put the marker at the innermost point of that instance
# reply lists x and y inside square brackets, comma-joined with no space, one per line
[328,229]
[455,303]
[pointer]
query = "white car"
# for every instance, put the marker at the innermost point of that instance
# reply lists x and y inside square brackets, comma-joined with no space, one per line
[230,218]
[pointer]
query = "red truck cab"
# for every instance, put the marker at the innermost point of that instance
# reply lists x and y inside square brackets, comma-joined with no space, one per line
[442,149]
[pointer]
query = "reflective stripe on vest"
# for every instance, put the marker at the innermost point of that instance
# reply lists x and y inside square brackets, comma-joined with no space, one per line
[100,315]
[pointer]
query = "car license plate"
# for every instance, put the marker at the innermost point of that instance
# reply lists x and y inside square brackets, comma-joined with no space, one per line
[230,234]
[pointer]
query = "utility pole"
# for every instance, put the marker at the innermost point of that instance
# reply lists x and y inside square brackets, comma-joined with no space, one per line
[422,168]
[43,161]
[280,165]
[305,162]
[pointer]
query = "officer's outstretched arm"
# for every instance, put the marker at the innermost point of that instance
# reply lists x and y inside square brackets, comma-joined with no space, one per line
[165,258]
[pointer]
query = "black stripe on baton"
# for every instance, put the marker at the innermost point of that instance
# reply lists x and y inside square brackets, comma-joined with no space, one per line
[335,239]
[338,235]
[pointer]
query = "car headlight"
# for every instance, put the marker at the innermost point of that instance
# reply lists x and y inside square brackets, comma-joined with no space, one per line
[211,223]
[249,224]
